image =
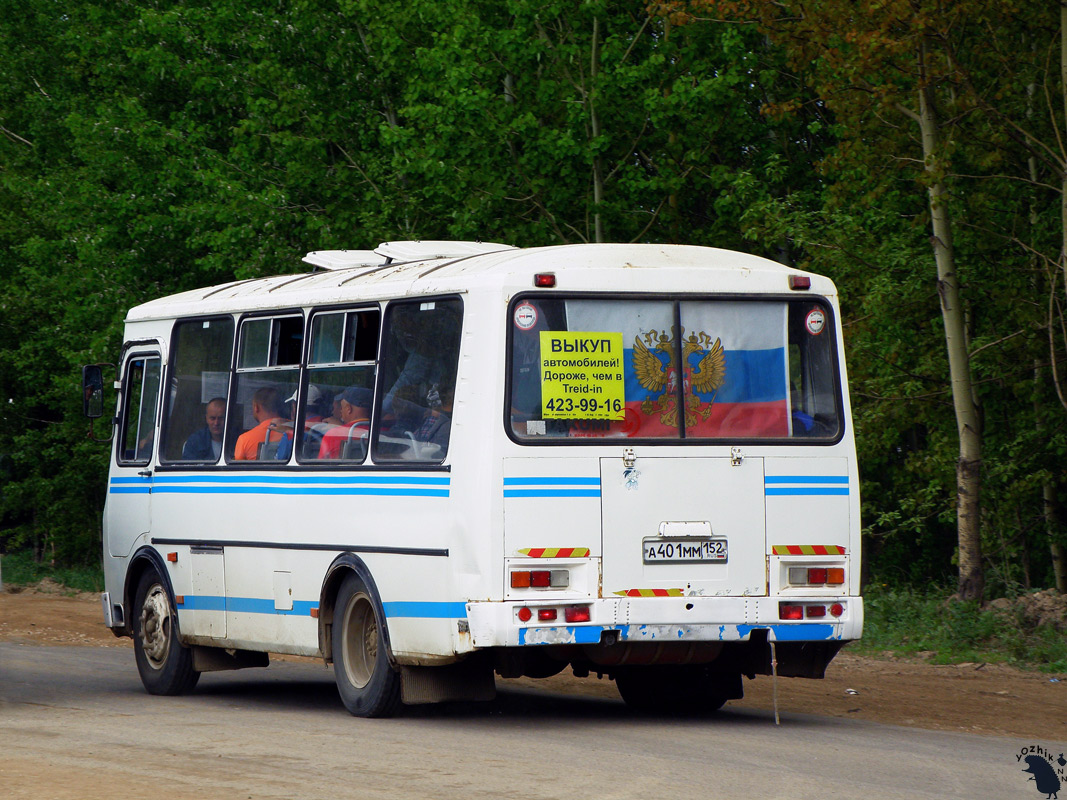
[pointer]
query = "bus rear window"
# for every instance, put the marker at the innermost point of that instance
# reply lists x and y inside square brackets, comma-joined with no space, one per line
[671,369]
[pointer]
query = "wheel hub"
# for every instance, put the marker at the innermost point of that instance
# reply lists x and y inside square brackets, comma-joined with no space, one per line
[156,626]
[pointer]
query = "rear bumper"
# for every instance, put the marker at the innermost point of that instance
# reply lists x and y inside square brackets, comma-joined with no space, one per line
[661,619]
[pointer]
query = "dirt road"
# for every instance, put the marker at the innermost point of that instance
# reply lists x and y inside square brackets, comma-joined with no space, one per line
[972,698]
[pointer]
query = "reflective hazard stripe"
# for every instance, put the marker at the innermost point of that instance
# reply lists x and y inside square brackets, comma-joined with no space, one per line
[808,550]
[555,552]
[650,593]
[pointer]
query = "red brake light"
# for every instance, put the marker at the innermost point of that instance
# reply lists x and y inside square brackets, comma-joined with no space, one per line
[815,611]
[576,614]
[817,575]
[540,578]
[787,611]
[546,614]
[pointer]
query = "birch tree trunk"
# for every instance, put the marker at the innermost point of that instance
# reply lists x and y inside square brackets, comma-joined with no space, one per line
[969,465]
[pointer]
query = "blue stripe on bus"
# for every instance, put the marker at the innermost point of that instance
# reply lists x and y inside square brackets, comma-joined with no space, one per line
[806,479]
[247,605]
[308,490]
[551,493]
[803,491]
[425,610]
[343,479]
[379,485]
[551,481]
[303,608]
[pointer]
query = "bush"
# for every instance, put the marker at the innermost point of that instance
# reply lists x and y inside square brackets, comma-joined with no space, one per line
[947,631]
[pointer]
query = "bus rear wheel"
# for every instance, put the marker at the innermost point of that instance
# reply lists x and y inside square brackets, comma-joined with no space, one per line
[366,681]
[677,689]
[164,663]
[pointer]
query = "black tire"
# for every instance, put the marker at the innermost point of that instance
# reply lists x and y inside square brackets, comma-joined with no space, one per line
[165,664]
[366,681]
[677,689]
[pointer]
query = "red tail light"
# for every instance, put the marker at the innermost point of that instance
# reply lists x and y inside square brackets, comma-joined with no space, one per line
[546,614]
[787,611]
[814,611]
[576,614]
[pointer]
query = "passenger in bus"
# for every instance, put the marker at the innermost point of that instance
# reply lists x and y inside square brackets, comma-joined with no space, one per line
[314,411]
[206,443]
[437,422]
[355,423]
[267,411]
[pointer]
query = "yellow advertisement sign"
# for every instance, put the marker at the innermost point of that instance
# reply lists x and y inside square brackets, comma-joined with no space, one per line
[582,375]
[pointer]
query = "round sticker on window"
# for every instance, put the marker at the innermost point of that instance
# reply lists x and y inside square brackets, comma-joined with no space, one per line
[525,316]
[815,321]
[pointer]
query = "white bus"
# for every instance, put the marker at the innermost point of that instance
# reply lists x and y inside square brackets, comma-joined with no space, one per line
[435,462]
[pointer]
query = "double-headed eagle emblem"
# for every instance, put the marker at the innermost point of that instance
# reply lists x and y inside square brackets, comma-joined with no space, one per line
[662,378]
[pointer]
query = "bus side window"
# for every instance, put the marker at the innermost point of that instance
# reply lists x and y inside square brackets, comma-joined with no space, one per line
[268,375]
[420,355]
[141,388]
[342,363]
[198,386]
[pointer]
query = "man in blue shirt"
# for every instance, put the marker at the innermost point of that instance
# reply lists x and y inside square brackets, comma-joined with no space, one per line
[206,443]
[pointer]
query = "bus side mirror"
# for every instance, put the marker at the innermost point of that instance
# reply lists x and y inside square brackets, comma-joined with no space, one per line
[93,391]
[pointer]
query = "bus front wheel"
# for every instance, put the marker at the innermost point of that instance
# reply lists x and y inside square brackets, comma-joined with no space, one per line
[165,664]
[366,681]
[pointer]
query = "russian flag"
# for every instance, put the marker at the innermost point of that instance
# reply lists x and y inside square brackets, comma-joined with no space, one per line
[734,367]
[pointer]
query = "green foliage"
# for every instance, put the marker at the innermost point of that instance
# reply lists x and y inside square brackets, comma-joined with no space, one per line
[22,569]
[909,622]
[152,147]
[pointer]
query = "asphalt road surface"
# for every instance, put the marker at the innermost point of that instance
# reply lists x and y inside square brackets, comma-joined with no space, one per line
[75,723]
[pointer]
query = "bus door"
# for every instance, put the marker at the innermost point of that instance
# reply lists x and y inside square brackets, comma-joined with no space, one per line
[676,526]
[129,500]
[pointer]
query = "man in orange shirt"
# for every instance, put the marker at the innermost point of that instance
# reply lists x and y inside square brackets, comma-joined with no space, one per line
[355,422]
[267,410]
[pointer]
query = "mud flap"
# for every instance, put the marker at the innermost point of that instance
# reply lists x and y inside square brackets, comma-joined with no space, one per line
[216,659]
[466,680]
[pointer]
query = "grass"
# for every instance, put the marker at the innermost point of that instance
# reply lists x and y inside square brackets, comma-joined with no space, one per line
[19,569]
[908,622]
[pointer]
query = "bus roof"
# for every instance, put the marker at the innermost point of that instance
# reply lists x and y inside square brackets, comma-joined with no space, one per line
[398,269]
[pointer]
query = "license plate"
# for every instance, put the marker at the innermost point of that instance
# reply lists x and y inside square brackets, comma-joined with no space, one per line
[658,550]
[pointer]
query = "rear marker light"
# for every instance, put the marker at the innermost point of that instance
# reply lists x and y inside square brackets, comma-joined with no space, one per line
[540,579]
[546,614]
[525,614]
[576,614]
[816,576]
[786,611]
[172,558]
[545,280]
[520,580]
[799,282]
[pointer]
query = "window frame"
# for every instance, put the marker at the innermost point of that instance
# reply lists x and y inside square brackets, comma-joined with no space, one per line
[676,299]
[172,353]
[307,368]
[134,354]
